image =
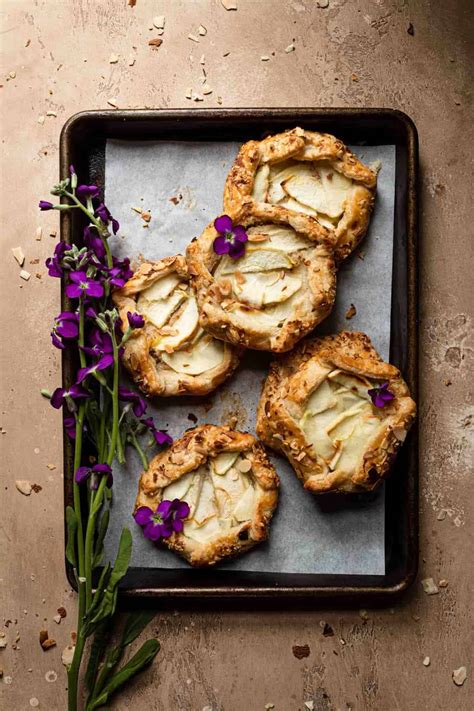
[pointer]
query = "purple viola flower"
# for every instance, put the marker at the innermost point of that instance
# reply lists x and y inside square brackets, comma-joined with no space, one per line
[93,474]
[87,191]
[138,403]
[53,263]
[160,436]
[135,319]
[45,205]
[103,213]
[94,243]
[167,518]
[102,364]
[381,395]
[66,327]
[62,397]
[83,285]
[232,238]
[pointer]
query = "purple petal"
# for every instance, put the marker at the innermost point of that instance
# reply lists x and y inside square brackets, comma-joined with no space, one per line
[77,392]
[57,398]
[178,525]
[82,474]
[45,205]
[82,373]
[85,191]
[56,342]
[95,289]
[73,291]
[240,233]
[221,245]
[105,362]
[166,529]
[237,250]
[182,508]
[67,329]
[152,531]
[78,277]
[164,508]
[162,437]
[115,226]
[135,319]
[223,224]
[143,515]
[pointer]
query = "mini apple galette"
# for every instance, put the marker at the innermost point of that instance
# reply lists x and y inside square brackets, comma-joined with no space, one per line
[337,411]
[270,297]
[171,355]
[229,485]
[312,181]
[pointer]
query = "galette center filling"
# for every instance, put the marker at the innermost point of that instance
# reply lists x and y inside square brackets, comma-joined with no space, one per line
[312,187]
[270,278]
[179,342]
[221,495]
[340,420]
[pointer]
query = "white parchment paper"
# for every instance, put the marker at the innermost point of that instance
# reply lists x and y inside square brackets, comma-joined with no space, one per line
[333,535]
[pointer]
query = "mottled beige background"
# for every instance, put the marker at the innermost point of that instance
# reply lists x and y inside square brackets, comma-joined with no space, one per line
[55,59]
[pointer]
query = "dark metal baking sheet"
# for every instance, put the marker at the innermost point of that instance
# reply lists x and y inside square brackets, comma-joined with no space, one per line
[83,143]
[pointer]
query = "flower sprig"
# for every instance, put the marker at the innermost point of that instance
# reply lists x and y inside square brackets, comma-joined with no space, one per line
[101,418]
[231,238]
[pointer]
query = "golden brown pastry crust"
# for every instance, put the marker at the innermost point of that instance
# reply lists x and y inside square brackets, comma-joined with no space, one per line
[186,455]
[219,316]
[151,374]
[291,380]
[302,145]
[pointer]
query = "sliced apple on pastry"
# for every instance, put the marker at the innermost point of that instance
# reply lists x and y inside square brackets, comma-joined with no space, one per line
[320,188]
[281,290]
[160,311]
[184,327]
[202,355]
[261,184]
[223,462]
[161,288]
[283,239]
[244,509]
[257,260]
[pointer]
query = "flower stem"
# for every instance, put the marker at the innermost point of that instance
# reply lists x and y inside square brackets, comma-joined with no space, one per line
[139,450]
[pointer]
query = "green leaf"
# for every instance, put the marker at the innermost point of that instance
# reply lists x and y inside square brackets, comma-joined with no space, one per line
[135,624]
[88,624]
[137,663]
[108,602]
[97,650]
[99,544]
[71,531]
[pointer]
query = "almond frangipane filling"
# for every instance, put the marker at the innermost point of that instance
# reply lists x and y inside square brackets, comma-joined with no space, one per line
[221,495]
[311,187]
[339,420]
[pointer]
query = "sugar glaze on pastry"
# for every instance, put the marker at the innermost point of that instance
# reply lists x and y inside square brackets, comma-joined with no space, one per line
[172,355]
[268,299]
[311,180]
[229,484]
[315,408]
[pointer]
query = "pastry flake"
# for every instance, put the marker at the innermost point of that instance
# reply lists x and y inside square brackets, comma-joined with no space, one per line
[309,180]
[229,484]
[316,409]
[269,298]
[171,355]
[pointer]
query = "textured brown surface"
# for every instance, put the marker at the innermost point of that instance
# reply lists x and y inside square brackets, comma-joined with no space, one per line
[349,54]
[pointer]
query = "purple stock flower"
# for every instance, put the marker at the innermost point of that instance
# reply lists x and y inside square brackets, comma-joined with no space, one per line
[232,238]
[381,395]
[135,319]
[62,397]
[87,191]
[94,474]
[94,243]
[160,436]
[53,263]
[83,285]
[103,213]
[100,344]
[45,205]
[66,327]
[167,518]
[102,364]
[138,403]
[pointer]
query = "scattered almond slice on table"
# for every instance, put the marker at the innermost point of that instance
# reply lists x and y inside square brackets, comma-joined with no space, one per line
[155,42]
[229,4]
[24,487]
[19,256]
[159,22]
[429,586]
[25,275]
[460,676]
[351,311]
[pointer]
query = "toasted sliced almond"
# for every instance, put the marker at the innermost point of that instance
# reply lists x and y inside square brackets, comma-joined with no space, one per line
[19,256]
